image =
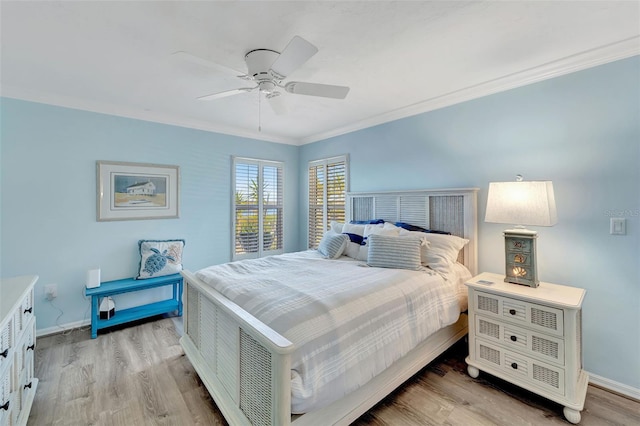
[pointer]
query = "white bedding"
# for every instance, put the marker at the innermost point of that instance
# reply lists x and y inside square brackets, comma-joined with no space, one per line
[348,321]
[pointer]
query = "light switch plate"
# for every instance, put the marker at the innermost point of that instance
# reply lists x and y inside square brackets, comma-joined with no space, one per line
[618,226]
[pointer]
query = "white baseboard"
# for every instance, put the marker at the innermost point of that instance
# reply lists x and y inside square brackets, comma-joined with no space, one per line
[177,321]
[61,328]
[613,386]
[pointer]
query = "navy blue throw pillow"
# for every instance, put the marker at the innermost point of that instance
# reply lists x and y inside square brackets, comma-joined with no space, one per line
[367,222]
[410,227]
[355,238]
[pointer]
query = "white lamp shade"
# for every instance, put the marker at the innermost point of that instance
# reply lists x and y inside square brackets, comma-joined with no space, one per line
[521,203]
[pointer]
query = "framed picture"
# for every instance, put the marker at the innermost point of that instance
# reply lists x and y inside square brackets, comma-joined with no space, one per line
[135,191]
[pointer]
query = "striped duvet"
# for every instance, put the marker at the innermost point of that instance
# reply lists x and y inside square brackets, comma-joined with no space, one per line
[348,321]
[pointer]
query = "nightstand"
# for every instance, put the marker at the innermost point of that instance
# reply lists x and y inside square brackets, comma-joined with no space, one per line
[530,337]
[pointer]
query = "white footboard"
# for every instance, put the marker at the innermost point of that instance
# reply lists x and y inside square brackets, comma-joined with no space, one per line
[245,365]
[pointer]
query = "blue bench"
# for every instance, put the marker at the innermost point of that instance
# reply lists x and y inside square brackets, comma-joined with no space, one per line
[110,288]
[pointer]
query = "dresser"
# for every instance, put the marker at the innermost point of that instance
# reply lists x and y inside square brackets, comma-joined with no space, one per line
[530,337]
[17,346]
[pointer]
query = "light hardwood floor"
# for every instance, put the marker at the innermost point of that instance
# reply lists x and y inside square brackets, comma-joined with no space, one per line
[138,375]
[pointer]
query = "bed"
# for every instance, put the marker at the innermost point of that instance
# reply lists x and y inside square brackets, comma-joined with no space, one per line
[252,370]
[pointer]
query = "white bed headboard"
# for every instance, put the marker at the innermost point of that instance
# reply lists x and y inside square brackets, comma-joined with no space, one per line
[450,210]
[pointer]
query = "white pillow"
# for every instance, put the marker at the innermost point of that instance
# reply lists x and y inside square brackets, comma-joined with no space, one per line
[372,227]
[443,249]
[353,249]
[337,227]
[388,226]
[353,228]
[332,245]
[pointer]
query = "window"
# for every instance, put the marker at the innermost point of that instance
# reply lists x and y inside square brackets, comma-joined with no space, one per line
[327,195]
[257,208]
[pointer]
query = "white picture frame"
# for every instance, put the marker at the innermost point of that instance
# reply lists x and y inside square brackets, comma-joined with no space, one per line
[137,191]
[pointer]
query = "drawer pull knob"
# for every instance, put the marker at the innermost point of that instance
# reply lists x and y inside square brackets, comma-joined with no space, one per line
[514,365]
[512,311]
[28,385]
[32,347]
[514,338]
[30,310]
[5,407]
[5,353]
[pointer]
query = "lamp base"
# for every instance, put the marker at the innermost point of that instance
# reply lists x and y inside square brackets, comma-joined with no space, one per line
[521,266]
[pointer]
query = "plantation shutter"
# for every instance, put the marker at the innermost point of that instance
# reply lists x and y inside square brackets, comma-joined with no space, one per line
[272,209]
[327,195]
[257,208]
[316,204]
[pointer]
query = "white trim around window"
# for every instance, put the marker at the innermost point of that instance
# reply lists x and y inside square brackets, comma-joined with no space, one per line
[327,187]
[257,207]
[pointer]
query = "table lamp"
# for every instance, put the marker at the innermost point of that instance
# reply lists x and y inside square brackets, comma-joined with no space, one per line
[521,203]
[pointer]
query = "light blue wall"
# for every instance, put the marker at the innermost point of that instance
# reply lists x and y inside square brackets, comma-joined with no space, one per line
[582,132]
[48,217]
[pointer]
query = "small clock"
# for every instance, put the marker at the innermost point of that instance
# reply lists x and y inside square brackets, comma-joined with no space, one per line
[520,257]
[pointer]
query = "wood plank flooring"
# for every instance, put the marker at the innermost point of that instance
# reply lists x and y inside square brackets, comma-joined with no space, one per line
[138,375]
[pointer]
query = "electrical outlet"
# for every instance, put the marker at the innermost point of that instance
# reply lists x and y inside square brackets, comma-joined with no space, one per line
[51,291]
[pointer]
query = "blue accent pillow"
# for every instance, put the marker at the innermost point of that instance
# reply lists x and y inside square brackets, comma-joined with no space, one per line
[367,222]
[159,257]
[355,238]
[410,227]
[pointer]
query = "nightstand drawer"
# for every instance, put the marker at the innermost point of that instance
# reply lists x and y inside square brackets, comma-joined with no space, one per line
[513,337]
[543,318]
[520,367]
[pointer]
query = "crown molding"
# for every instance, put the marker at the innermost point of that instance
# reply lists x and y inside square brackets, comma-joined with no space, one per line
[126,112]
[598,56]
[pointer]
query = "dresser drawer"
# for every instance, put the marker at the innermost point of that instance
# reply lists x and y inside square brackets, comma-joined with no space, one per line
[26,348]
[25,311]
[543,318]
[6,343]
[519,367]
[5,390]
[7,412]
[529,342]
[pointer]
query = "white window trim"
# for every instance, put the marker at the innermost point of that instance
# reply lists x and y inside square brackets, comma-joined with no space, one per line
[260,164]
[324,162]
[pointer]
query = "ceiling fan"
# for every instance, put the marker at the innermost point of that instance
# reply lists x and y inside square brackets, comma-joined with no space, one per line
[268,69]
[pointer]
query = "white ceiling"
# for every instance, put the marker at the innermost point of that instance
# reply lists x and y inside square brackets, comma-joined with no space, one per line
[399,58]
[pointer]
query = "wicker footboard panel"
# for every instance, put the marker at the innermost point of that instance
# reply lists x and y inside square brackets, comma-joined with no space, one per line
[244,364]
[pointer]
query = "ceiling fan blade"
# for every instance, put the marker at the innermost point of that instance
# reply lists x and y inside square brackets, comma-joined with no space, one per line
[277,103]
[188,57]
[225,93]
[297,52]
[315,89]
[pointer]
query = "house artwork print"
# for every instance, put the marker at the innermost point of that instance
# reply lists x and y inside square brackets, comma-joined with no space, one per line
[127,191]
[138,190]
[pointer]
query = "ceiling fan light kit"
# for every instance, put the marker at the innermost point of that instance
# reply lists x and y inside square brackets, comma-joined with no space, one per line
[268,68]
[259,63]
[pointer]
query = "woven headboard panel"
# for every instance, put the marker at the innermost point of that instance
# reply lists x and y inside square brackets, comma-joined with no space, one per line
[451,210]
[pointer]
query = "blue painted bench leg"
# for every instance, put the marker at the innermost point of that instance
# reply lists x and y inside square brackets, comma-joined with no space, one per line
[179,297]
[94,317]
